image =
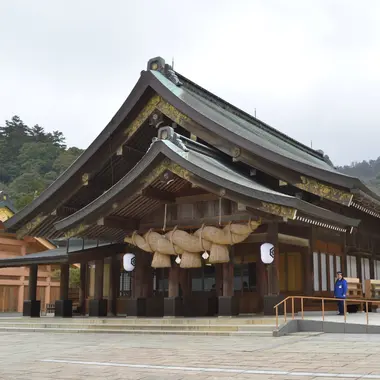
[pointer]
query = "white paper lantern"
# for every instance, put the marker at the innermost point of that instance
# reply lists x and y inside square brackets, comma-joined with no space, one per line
[129,262]
[267,253]
[205,255]
[178,260]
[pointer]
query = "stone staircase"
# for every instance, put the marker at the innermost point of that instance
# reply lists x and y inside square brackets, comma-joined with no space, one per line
[238,326]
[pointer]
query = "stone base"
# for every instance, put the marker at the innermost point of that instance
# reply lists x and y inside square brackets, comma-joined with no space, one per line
[32,309]
[64,308]
[136,307]
[155,307]
[270,301]
[173,307]
[212,306]
[97,308]
[228,306]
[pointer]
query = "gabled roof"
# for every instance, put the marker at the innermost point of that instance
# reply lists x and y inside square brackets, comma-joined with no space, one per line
[250,135]
[204,170]
[60,255]
[211,115]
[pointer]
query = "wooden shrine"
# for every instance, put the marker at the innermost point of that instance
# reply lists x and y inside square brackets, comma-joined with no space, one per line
[193,186]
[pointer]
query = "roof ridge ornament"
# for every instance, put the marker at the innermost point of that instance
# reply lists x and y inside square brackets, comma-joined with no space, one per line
[168,134]
[158,64]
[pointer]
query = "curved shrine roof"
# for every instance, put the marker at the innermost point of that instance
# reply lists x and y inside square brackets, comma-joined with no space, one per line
[212,113]
[204,170]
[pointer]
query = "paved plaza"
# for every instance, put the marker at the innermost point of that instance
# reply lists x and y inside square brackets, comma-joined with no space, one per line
[41,356]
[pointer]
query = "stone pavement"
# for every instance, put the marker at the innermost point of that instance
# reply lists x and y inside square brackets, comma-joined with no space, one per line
[42,356]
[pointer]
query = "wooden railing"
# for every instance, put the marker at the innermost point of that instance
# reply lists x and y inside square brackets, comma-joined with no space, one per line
[323,300]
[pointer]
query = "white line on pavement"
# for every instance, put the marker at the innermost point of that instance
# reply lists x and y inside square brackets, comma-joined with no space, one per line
[222,370]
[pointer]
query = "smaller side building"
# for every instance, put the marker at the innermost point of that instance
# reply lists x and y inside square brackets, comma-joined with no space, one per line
[14,281]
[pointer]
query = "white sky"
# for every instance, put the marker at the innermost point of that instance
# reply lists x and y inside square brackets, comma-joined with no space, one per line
[311,68]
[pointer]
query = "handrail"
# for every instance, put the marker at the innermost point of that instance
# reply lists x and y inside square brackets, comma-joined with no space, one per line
[322,299]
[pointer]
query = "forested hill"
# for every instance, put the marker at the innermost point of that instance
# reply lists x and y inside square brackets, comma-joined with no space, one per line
[31,159]
[368,171]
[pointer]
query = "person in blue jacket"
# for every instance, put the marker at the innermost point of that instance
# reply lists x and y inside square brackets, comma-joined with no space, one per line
[340,291]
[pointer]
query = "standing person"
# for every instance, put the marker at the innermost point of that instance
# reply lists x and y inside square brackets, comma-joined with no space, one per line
[340,291]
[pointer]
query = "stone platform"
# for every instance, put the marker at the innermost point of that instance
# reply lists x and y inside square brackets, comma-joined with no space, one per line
[257,326]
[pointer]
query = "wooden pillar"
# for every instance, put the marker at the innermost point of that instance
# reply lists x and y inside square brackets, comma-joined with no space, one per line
[359,267]
[261,278]
[114,284]
[185,282]
[372,268]
[372,259]
[20,302]
[275,267]
[21,288]
[219,279]
[99,279]
[148,283]
[173,303]
[139,274]
[308,276]
[228,303]
[48,287]
[83,287]
[174,281]
[98,306]
[33,273]
[64,282]
[32,307]
[273,296]
[228,279]
[343,264]
[64,306]
[142,286]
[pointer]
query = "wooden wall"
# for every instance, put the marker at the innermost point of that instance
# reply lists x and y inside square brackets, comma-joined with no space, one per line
[14,281]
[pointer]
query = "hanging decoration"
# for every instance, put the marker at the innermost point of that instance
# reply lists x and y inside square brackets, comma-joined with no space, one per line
[190,246]
[178,260]
[205,255]
[129,262]
[267,253]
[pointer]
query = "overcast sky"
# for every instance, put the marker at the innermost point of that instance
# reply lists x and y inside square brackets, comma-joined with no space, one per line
[311,68]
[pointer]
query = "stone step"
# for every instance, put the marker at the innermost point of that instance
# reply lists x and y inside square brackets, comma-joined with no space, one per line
[137,321]
[125,331]
[171,327]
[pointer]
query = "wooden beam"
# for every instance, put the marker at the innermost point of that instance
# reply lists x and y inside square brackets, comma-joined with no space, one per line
[96,253]
[197,223]
[158,195]
[12,242]
[196,198]
[256,238]
[293,240]
[124,224]
[64,212]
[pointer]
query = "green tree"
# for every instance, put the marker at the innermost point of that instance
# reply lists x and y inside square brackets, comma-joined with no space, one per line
[31,159]
[25,188]
[74,277]
[38,158]
[65,159]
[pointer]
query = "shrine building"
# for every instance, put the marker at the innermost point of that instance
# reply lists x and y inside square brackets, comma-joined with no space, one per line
[193,186]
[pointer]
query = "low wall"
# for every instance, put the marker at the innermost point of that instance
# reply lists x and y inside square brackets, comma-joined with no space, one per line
[299,325]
